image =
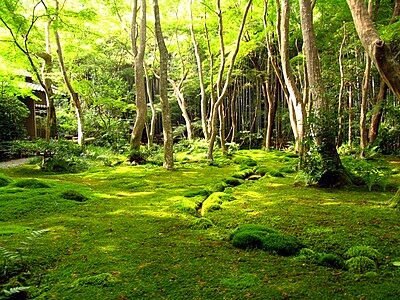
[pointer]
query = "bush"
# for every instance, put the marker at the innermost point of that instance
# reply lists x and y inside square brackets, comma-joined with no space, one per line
[254,236]
[73,195]
[31,183]
[366,251]
[138,157]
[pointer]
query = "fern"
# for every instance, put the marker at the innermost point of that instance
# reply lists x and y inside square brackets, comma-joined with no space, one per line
[12,292]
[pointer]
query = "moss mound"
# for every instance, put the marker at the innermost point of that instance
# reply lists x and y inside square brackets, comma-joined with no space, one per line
[4,180]
[201,224]
[366,251]
[360,264]
[73,195]
[245,161]
[253,236]
[232,181]
[194,193]
[31,183]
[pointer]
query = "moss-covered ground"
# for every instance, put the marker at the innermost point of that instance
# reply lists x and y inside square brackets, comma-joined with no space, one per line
[138,232]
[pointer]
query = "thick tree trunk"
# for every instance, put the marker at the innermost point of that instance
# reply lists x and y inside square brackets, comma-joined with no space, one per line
[141,104]
[334,174]
[168,163]
[380,52]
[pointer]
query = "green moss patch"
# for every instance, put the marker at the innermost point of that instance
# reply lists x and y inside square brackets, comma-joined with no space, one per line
[102,279]
[4,180]
[74,195]
[32,183]
[261,237]
[201,224]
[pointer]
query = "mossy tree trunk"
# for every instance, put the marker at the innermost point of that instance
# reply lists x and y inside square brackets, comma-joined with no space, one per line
[324,128]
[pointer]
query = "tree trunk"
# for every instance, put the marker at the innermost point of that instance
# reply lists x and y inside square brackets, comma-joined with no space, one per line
[296,105]
[182,105]
[203,101]
[380,52]
[341,90]
[151,130]
[168,163]
[334,174]
[141,104]
[350,133]
[74,95]
[47,68]
[377,111]
[222,91]
[363,112]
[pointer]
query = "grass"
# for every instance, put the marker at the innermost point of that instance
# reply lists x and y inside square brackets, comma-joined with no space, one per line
[137,235]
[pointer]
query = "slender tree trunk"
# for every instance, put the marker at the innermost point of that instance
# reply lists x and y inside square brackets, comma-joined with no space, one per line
[296,106]
[74,95]
[141,104]
[47,68]
[151,129]
[222,92]
[203,101]
[363,112]
[233,112]
[168,163]
[377,111]
[334,172]
[351,116]
[341,91]
[379,51]
[182,105]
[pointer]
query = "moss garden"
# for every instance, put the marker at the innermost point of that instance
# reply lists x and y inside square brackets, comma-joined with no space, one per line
[244,226]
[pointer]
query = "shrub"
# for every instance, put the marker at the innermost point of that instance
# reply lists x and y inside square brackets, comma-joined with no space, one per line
[4,180]
[73,195]
[261,237]
[31,183]
[138,157]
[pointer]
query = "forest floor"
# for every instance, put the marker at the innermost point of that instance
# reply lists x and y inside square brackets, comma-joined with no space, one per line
[142,232]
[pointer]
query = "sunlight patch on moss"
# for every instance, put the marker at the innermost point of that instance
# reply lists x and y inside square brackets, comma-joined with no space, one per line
[120,212]
[107,248]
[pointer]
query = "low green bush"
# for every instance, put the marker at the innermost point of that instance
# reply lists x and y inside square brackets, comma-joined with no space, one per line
[362,250]
[74,195]
[331,260]
[254,236]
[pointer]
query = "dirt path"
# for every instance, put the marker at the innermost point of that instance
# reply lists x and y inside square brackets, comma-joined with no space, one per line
[14,163]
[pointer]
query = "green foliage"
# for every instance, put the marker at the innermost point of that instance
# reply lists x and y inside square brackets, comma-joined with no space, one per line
[275,173]
[73,195]
[13,112]
[31,183]
[369,173]
[4,180]
[244,174]
[138,157]
[311,169]
[254,236]
[199,192]
[15,293]
[331,260]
